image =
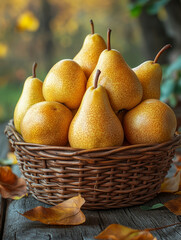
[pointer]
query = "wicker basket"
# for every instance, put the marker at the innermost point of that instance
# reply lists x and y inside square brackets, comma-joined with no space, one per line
[110,177]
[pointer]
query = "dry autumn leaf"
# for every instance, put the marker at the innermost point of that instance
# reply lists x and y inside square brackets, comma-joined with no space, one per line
[11,186]
[65,213]
[171,184]
[120,232]
[178,158]
[174,206]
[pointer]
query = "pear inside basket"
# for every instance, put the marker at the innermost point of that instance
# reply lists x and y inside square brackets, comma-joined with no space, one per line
[94,127]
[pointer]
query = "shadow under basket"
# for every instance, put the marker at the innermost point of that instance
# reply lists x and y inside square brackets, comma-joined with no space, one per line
[111,177]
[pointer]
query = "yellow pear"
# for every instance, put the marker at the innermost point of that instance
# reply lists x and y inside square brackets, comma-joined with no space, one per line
[95,125]
[65,83]
[88,56]
[150,75]
[31,94]
[152,121]
[46,123]
[123,87]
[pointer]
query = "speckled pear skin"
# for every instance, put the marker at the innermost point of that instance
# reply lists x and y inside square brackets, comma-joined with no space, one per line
[89,54]
[31,94]
[123,87]
[47,123]
[150,76]
[152,121]
[95,125]
[65,83]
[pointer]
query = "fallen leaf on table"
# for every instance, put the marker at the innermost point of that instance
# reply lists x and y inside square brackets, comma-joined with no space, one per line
[171,184]
[155,206]
[11,186]
[178,158]
[174,205]
[120,232]
[65,213]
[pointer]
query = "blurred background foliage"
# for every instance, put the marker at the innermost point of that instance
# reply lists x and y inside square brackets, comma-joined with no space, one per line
[47,31]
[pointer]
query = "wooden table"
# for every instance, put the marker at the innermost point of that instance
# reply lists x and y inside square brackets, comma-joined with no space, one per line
[16,227]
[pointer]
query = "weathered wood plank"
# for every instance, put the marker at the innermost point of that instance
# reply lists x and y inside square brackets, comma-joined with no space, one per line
[3,206]
[136,218]
[18,227]
[4,148]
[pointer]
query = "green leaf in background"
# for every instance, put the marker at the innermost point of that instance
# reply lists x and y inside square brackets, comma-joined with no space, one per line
[152,6]
[136,7]
[9,95]
[176,65]
[178,86]
[142,2]
[171,84]
[136,11]
[155,6]
[155,206]
[167,88]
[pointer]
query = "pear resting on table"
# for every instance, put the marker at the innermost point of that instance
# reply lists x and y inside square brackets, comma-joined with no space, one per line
[95,101]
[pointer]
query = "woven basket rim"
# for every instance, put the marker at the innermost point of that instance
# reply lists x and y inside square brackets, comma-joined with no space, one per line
[20,141]
[108,177]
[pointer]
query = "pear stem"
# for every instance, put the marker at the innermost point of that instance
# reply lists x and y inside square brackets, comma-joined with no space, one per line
[92,26]
[96,78]
[34,69]
[109,39]
[161,51]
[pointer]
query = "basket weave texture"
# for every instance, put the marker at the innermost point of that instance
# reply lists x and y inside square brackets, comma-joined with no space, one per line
[110,177]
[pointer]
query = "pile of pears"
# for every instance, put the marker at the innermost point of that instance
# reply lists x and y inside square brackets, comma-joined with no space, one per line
[95,101]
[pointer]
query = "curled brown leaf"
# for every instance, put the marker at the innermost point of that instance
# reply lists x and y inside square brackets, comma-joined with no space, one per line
[171,184]
[11,186]
[174,206]
[120,232]
[65,213]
